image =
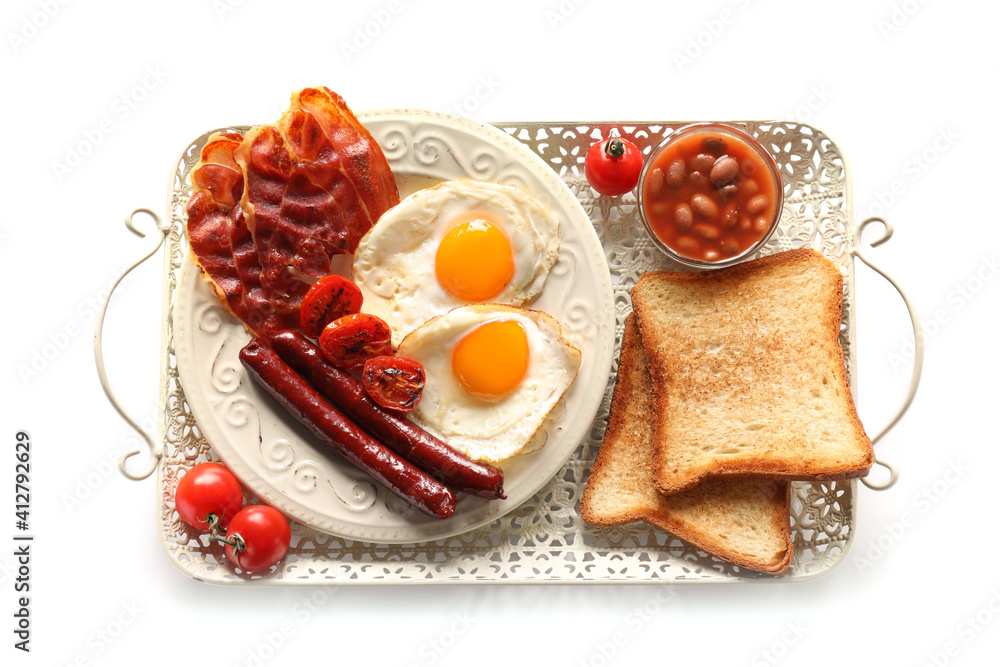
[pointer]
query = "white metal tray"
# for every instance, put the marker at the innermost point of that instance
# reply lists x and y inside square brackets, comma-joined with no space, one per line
[544,539]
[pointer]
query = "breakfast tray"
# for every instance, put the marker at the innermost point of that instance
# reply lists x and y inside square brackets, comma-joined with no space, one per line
[544,539]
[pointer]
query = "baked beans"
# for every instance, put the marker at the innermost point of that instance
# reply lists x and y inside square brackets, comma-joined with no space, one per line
[709,195]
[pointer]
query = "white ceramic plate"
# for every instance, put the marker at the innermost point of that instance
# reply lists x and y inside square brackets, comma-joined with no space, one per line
[280,461]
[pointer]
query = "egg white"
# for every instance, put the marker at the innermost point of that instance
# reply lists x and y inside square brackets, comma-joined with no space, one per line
[394,261]
[490,431]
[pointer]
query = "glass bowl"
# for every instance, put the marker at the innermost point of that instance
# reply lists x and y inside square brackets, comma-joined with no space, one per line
[710,195]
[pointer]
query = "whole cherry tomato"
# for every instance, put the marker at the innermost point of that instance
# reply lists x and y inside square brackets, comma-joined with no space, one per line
[348,342]
[395,383]
[209,495]
[258,537]
[613,165]
[328,298]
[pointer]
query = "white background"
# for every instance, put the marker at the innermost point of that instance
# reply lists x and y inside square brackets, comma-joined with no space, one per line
[908,91]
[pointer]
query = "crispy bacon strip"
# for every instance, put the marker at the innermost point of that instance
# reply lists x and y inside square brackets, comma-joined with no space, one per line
[315,183]
[217,171]
[221,244]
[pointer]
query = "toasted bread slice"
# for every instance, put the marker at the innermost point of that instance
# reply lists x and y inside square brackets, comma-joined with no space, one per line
[749,374]
[741,520]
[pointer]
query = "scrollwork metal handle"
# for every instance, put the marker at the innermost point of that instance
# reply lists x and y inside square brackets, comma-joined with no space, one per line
[918,346]
[155,448]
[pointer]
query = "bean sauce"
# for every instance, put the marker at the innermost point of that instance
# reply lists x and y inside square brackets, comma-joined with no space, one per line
[710,197]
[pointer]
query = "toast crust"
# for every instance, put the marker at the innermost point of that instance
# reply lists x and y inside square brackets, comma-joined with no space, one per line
[741,520]
[749,374]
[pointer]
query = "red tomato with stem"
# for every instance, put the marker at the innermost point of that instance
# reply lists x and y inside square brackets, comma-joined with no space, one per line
[348,342]
[258,537]
[612,166]
[395,383]
[328,299]
[208,496]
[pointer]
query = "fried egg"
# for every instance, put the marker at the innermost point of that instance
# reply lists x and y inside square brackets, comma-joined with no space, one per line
[457,243]
[493,375]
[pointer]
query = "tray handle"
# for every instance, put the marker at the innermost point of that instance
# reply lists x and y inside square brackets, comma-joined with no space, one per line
[918,346]
[155,449]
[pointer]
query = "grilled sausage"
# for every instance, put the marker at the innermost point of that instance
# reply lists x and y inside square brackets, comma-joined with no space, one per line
[437,458]
[335,430]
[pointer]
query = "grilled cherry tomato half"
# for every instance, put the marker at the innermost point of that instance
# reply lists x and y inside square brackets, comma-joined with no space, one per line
[258,537]
[328,299]
[208,496]
[348,342]
[613,165]
[395,383]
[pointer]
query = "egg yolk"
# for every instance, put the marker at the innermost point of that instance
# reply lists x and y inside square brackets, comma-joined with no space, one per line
[491,360]
[475,260]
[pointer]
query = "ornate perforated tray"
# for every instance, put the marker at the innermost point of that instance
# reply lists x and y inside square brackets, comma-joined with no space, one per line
[544,539]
